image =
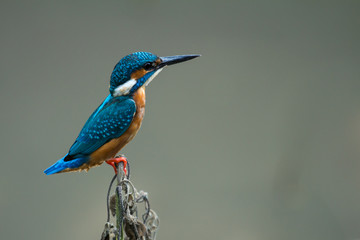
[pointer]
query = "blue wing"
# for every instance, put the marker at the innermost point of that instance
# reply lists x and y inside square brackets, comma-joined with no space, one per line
[110,121]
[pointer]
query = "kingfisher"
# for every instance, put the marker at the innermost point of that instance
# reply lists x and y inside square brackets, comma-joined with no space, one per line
[118,118]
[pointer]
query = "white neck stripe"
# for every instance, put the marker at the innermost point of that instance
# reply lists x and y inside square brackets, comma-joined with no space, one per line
[153,76]
[124,88]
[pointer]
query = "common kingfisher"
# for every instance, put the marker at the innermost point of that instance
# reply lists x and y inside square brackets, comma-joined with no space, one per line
[117,120]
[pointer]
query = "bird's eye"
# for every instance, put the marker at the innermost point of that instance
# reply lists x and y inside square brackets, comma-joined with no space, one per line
[148,66]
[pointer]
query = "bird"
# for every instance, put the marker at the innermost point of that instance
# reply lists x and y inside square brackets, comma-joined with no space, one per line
[118,118]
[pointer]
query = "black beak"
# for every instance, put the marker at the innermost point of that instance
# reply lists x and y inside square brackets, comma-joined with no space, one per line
[170,60]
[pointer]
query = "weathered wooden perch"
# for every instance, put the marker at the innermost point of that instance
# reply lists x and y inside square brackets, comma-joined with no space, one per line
[123,205]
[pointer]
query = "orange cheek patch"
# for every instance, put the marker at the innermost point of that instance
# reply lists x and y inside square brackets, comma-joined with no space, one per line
[158,61]
[138,74]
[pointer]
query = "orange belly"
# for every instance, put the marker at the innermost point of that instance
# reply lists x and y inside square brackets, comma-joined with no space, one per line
[111,148]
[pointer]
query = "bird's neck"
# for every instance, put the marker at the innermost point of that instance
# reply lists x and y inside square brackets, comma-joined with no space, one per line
[139,98]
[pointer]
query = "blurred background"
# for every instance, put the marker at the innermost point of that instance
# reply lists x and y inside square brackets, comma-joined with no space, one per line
[257,139]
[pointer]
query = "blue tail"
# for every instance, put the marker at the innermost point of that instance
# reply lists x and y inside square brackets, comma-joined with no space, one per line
[62,165]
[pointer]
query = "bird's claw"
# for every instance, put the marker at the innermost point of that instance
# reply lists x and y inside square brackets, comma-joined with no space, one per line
[115,161]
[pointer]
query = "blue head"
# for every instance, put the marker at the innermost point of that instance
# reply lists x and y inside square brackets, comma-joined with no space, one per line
[139,68]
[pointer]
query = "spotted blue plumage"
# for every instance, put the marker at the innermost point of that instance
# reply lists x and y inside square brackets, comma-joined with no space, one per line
[110,120]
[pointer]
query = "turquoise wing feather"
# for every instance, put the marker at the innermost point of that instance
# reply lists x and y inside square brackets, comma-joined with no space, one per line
[109,121]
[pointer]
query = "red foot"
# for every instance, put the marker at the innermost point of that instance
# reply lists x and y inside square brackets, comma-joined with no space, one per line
[115,161]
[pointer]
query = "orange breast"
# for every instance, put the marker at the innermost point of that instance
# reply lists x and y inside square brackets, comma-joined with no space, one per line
[110,149]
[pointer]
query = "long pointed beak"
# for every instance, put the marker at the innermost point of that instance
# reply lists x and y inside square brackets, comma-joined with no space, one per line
[170,60]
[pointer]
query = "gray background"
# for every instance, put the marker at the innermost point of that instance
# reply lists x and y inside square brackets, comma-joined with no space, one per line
[257,139]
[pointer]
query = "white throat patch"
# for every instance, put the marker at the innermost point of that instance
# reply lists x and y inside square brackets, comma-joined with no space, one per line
[125,88]
[153,76]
